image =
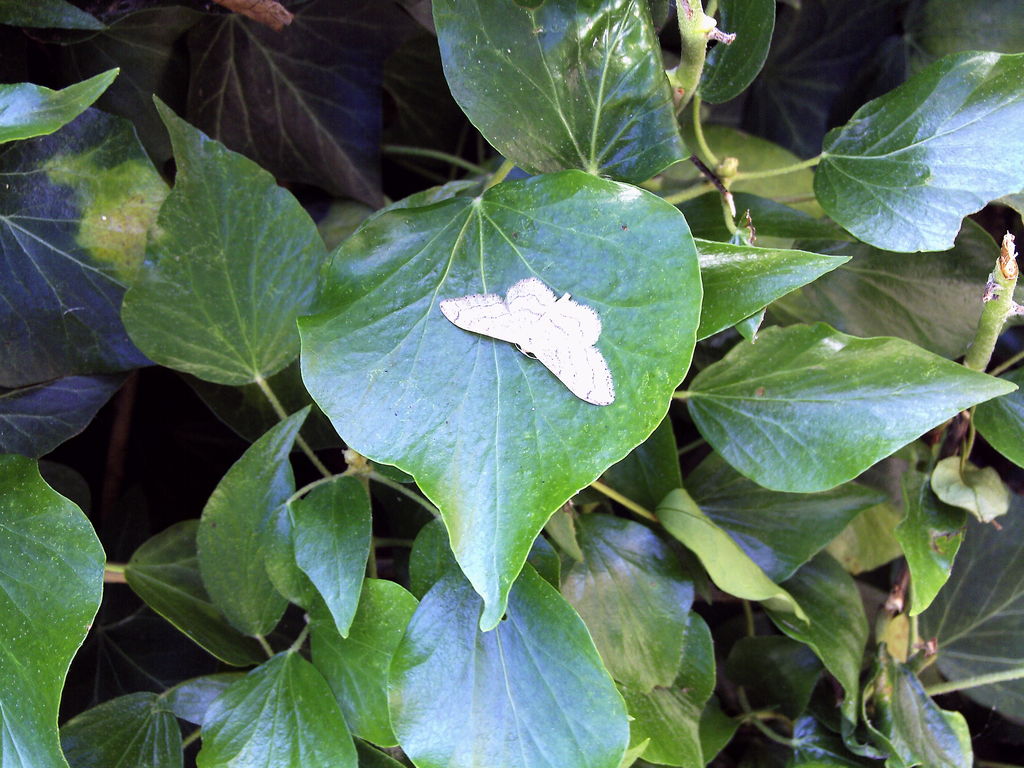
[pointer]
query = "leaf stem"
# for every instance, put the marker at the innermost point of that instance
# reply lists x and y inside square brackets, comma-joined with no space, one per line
[810,163]
[185,742]
[1014,673]
[264,645]
[690,446]
[309,487]
[998,306]
[749,716]
[681,394]
[703,150]
[408,492]
[499,175]
[1007,364]
[299,640]
[282,414]
[433,154]
[689,193]
[628,503]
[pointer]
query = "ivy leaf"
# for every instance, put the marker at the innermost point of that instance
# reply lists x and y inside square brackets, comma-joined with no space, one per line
[191,699]
[316,85]
[164,572]
[729,69]
[1001,420]
[497,698]
[231,535]
[50,589]
[909,165]
[776,225]
[431,557]
[356,667]
[612,116]
[775,671]
[767,406]
[74,211]
[28,110]
[138,729]
[650,470]
[739,280]
[492,437]
[223,282]
[633,595]
[979,490]
[778,531]
[55,14]
[331,531]
[977,616]
[939,27]
[280,715]
[36,419]
[728,566]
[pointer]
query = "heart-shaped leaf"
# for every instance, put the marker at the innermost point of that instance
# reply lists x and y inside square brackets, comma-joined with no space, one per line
[498,700]
[767,406]
[909,165]
[138,729]
[28,110]
[492,437]
[729,69]
[979,490]
[612,115]
[50,587]
[223,281]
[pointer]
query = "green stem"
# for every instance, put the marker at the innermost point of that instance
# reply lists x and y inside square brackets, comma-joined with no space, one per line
[309,487]
[778,171]
[499,175]
[748,618]
[689,193]
[1007,364]
[692,445]
[264,645]
[433,154]
[299,640]
[408,492]
[996,309]
[1015,673]
[283,414]
[628,503]
[681,394]
[114,567]
[703,149]
[694,26]
[751,717]
[185,742]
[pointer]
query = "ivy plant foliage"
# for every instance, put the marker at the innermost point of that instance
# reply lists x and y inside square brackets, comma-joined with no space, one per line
[586,79]
[491,436]
[136,729]
[730,68]
[49,592]
[28,110]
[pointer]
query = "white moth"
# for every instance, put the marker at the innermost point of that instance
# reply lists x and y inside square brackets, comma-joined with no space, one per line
[561,333]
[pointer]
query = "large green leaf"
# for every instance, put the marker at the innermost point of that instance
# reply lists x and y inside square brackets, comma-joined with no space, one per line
[1001,420]
[232,538]
[650,470]
[28,110]
[356,667]
[729,567]
[978,617]
[935,28]
[909,165]
[767,407]
[137,730]
[234,263]
[740,280]
[58,14]
[75,207]
[729,69]
[585,82]
[492,437]
[36,419]
[280,715]
[164,572]
[930,299]
[633,595]
[775,671]
[779,531]
[531,692]
[50,585]
[315,86]
[331,531]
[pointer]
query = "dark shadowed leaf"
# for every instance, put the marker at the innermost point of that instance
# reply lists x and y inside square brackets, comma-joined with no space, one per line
[56,14]
[50,586]
[234,264]
[190,700]
[36,419]
[491,436]
[461,697]
[910,165]
[775,225]
[938,27]
[775,672]
[1001,420]
[586,80]
[650,470]
[818,747]
[315,87]
[767,406]
[28,110]
[634,597]
[137,730]
[74,211]
[729,69]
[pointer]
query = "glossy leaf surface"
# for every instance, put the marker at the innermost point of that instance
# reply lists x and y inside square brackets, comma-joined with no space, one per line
[28,110]
[767,406]
[50,587]
[909,165]
[191,699]
[491,436]
[164,572]
[1001,420]
[137,730]
[775,225]
[234,263]
[633,595]
[356,667]
[498,705]
[75,208]
[729,69]
[231,537]
[280,715]
[612,117]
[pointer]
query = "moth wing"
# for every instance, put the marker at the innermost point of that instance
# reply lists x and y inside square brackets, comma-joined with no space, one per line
[576,321]
[581,368]
[529,298]
[483,313]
